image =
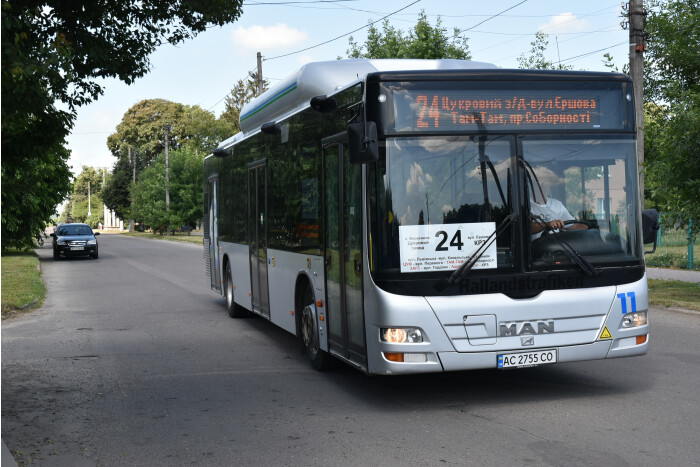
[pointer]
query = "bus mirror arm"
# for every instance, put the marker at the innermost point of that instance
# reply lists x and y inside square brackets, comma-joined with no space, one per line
[221,152]
[323,103]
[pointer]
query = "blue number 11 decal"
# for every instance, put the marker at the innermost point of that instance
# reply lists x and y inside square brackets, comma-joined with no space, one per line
[623,302]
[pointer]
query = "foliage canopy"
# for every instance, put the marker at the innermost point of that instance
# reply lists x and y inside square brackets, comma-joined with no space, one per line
[143,130]
[423,41]
[54,52]
[672,111]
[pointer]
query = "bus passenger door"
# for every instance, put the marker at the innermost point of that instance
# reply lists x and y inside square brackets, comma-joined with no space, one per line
[213,236]
[343,253]
[257,236]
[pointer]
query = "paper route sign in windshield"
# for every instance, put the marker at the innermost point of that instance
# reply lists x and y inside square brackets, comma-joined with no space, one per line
[444,247]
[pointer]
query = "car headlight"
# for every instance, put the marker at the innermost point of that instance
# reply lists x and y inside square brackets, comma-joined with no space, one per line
[60,242]
[92,242]
[401,335]
[632,320]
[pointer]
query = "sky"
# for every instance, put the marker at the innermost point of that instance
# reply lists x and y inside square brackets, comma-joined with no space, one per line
[202,71]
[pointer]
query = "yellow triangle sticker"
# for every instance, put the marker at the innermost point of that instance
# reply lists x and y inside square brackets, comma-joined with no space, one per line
[605,334]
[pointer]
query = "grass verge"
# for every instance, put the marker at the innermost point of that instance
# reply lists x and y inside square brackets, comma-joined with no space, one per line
[176,237]
[22,287]
[676,294]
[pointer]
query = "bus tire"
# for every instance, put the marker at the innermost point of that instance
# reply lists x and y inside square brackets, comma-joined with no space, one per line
[234,310]
[320,360]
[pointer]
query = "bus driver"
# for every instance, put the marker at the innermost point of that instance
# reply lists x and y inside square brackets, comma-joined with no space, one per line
[551,213]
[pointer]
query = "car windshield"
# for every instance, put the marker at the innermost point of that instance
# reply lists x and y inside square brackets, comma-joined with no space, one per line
[66,230]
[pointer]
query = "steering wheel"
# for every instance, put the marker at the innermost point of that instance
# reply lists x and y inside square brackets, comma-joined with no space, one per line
[588,224]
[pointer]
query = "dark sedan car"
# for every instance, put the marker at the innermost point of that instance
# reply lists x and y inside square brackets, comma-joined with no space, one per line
[74,240]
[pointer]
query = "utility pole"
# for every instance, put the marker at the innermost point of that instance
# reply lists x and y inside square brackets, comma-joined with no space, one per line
[260,78]
[167,179]
[89,210]
[131,220]
[636,14]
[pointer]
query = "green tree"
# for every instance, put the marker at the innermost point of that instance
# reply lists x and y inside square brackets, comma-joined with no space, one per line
[185,175]
[32,188]
[85,204]
[143,130]
[538,56]
[117,191]
[672,110]
[243,92]
[55,52]
[423,41]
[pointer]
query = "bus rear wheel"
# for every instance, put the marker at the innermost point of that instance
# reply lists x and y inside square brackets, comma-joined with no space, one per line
[319,359]
[234,311]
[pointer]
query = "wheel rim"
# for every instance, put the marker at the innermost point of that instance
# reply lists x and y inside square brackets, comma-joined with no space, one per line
[229,289]
[308,330]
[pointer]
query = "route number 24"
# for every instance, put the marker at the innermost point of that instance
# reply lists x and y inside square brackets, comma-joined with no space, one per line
[455,242]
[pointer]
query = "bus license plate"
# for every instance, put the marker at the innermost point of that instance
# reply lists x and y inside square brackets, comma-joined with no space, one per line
[74,248]
[515,360]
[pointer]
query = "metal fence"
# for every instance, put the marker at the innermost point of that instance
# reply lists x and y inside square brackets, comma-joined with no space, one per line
[674,248]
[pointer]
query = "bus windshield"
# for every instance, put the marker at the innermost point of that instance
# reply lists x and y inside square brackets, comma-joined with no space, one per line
[590,185]
[440,197]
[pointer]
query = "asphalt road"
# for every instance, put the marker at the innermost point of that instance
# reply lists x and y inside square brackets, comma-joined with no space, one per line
[133,361]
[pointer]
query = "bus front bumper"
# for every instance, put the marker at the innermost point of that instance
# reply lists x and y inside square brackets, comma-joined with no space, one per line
[460,361]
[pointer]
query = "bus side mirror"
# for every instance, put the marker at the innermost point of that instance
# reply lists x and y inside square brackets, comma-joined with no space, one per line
[650,226]
[362,142]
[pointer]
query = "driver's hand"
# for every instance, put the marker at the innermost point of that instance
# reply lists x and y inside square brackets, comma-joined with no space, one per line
[556,224]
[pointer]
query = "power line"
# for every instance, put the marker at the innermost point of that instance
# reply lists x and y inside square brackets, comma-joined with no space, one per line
[494,16]
[593,52]
[343,35]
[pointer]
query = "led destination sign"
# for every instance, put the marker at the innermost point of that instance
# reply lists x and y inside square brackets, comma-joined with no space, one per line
[455,110]
[499,111]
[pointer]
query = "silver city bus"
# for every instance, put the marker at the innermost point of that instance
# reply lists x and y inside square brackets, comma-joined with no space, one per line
[409,216]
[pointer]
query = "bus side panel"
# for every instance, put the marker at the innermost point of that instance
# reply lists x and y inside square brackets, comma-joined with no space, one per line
[282,271]
[240,272]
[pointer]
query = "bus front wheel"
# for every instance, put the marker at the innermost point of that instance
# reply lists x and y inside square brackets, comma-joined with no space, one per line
[319,359]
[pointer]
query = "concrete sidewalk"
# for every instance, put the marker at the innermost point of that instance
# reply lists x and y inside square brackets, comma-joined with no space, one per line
[674,274]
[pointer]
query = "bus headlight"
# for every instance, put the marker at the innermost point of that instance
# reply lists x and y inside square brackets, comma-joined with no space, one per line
[401,335]
[632,320]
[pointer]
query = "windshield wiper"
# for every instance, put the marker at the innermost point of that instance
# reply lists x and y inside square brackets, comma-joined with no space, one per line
[467,266]
[567,249]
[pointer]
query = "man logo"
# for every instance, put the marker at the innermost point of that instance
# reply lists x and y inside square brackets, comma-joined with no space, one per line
[520,328]
[529,340]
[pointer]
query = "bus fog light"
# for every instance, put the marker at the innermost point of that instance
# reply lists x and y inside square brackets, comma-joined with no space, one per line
[632,320]
[401,335]
[406,357]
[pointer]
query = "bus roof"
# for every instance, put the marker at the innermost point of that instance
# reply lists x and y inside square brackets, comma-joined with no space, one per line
[325,78]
